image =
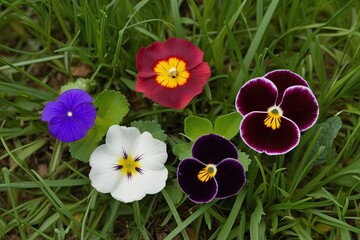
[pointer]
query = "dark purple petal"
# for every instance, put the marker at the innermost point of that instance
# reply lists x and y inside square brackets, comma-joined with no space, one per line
[256,95]
[263,139]
[230,177]
[197,191]
[212,148]
[284,79]
[300,105]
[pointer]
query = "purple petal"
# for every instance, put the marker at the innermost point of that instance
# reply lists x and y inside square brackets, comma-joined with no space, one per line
[67,129]
[51,109]
[197,191]
[263,139]
[86,114]
[230,177]
[300,105]
[74,97]
[284,79]
[256,95]
[212,148]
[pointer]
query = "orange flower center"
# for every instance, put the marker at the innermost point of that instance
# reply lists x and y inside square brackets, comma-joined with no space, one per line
[273,118]
[171,73]
[207,173]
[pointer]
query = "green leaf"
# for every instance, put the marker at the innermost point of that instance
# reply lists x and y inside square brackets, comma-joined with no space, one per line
[174,192]
[151,127]
[329,131]
[244,159]
[228,125]
[182,150]
[111,109]
[196,127]
[80,83]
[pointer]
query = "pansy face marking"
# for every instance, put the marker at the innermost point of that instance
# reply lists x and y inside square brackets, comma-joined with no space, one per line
[207,173]
[128,165]
[273,117]
[171,73]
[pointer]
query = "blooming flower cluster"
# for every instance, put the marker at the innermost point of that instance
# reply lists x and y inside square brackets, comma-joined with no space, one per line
[276,108]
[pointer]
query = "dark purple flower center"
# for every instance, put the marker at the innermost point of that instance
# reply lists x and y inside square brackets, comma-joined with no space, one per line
[273,118]
[207,173]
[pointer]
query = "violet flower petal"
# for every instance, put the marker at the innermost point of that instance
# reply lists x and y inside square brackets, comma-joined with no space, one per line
[284,79]
[300,105]
[263,139]
[212,148]
[256,95]
[197,191]
[230,177]
[74,97]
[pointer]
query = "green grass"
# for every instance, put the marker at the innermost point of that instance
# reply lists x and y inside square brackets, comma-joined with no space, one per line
[313,192]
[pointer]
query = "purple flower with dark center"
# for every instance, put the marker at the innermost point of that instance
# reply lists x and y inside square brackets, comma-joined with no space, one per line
[214,171]
[71,116]
[275,109]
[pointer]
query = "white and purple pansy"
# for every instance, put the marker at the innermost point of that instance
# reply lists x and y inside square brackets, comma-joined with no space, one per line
[275,109]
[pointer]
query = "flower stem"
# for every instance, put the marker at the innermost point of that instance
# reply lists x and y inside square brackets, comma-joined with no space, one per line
[138,220]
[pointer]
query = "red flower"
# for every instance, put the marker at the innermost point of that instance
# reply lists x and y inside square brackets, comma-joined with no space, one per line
[171,73]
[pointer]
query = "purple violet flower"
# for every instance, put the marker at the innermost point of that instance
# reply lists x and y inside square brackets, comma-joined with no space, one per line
[213,172]
[275,109]
[71,116]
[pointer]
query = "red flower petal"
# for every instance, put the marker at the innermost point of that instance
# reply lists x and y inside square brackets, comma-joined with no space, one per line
[284,79]
[300,105]
[177,97]
[147,57]
[256,95]
[263,139]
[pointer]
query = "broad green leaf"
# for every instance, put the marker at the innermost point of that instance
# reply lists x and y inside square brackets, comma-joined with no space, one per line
[174,192]
[151,127]
[244,159]
[182,150]
[111,108]
[228,125]
[329,130]
[80,83]
[196,127]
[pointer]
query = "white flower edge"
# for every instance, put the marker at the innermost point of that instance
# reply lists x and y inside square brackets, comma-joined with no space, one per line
[104,176]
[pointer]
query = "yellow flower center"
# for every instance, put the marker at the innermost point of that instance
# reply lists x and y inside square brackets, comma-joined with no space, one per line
[171,73]
[128,165]
[273,118]
[207,173]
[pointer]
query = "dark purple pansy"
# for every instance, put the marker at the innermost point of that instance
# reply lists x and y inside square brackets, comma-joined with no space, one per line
[71,116]
[213,171]
[275,109]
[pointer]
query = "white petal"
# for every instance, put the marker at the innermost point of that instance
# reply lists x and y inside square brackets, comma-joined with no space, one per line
[105,180]
[151,181]
[127,191]
[152,151]
[103,157]
[120,138]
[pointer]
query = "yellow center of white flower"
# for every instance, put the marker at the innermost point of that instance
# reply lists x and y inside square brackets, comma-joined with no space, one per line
[69,113]
[273,118]
[207,173]
[128,165]
[171,73]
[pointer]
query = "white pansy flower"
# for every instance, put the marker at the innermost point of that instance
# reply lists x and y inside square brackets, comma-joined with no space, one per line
[129,165]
